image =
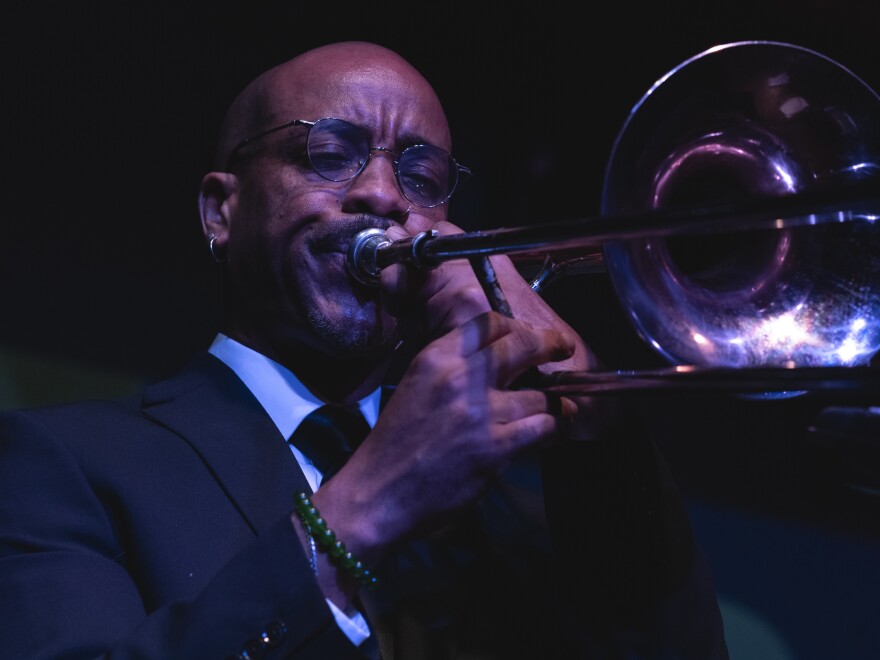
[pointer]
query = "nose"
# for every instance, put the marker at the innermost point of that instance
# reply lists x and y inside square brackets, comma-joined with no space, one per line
[375,189]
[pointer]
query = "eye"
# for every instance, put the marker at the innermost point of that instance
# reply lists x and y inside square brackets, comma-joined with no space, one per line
[425,172]
[337,149]
[334,156]
[423,182]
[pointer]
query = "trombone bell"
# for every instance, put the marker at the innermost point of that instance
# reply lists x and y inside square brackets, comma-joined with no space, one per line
[741,121]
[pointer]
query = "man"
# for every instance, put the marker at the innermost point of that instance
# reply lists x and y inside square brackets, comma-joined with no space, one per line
[173,525]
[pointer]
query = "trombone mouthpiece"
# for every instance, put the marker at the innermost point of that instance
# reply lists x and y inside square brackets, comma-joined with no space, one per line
[361,259]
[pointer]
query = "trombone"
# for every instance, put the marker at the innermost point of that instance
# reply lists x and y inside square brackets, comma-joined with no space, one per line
[745,250]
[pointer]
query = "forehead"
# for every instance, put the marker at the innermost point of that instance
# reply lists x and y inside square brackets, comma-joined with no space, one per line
[392,102]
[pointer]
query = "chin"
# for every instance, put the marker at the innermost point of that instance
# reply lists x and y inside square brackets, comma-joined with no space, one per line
[354,337]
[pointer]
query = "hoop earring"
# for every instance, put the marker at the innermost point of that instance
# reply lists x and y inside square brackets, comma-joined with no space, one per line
[211,240]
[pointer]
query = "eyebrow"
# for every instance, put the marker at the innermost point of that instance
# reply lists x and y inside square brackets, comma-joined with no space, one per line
[404,139]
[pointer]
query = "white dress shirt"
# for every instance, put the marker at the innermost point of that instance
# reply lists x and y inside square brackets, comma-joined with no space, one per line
[287,402]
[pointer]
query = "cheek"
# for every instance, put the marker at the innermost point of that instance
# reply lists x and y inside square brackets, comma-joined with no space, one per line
[271,220]
[282,194]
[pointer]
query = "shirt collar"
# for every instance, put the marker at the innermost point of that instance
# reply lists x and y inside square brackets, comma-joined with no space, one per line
[282,395]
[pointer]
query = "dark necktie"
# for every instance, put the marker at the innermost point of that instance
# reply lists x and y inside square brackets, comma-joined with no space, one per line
[329,435]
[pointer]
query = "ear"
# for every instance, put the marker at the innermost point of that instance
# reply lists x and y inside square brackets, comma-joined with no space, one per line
[218,196]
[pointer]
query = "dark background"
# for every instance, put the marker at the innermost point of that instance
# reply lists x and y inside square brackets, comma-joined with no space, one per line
[111,111]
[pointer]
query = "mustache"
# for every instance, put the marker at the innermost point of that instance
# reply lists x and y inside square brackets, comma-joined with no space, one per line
[335,235]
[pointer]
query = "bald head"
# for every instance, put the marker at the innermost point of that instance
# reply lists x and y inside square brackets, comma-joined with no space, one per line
[329,72]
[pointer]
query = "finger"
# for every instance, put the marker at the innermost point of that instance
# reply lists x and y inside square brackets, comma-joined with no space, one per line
[530,431]
[511,405]
[396,233]
[441,298]
[448,295]
[520,347]
[471,337]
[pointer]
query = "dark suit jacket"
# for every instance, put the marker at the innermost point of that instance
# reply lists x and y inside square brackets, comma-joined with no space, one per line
[158,527]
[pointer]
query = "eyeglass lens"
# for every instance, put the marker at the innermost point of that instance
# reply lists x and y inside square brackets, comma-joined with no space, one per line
[338,151]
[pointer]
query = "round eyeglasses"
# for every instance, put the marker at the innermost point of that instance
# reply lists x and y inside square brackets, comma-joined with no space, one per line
[338,151]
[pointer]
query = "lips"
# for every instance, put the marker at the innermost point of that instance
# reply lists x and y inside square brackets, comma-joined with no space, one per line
[336,235]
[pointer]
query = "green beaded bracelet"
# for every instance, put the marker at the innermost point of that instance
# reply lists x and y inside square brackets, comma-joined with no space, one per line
[327,541]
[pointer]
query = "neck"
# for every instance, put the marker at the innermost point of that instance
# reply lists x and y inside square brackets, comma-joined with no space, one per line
[333,378]
[339,380]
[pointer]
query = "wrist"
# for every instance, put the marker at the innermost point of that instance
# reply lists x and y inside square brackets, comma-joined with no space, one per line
[321,539]
[335,585]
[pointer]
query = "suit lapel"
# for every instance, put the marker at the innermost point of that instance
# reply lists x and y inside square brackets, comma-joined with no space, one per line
[212,410]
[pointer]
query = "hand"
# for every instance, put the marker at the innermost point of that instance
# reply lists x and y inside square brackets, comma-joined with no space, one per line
[450,428]
[453,423]
[430,303]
